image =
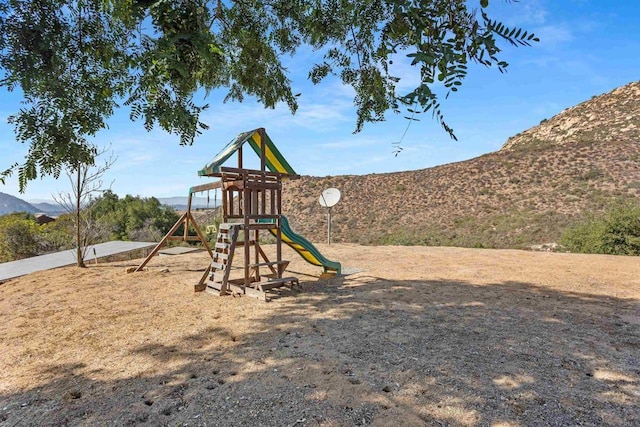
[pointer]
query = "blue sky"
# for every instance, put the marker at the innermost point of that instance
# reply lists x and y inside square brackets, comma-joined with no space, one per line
[587,48]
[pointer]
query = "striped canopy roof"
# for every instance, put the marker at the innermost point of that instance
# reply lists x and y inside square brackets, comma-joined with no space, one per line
[257,138]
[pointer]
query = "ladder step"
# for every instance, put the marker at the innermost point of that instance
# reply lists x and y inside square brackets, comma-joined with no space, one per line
[217,277]
[228,226]
[218,266]
[225,245]
[213,286]
[220,255]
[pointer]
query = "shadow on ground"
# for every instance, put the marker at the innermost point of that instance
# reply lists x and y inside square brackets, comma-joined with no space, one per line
[373,351]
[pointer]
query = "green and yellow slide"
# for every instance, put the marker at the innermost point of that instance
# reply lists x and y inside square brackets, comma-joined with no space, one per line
[305,248]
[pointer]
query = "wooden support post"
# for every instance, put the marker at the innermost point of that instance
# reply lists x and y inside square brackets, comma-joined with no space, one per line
[225,205]
[273,202]
[263,150]
[279,231]
[246,233]
[184,219]
[256,252]
[162,242]
[254,203]
[186,224]
[203,239]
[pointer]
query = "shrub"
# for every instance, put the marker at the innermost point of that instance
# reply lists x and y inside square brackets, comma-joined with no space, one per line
[19,237]
[58,235]
[616,232]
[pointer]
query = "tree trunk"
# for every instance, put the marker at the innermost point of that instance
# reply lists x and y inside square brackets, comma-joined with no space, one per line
[79,257]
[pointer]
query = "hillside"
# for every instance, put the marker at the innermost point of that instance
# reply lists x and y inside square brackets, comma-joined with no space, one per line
[10,204]
[527,193]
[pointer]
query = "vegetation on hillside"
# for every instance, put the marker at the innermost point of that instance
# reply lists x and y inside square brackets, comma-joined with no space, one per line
[614,232]
[19,236]
[114,218]
[508,199]
[132,218]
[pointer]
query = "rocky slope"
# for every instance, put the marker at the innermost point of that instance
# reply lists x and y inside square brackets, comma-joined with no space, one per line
[613,116]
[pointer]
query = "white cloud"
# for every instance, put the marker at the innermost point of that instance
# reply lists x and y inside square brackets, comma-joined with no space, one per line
[533,12]
[554,35]
[513,14]
[355,141]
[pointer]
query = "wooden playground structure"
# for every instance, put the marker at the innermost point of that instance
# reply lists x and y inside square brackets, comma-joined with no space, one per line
[251,204]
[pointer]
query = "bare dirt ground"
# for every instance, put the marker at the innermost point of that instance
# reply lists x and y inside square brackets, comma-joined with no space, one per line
[421,336]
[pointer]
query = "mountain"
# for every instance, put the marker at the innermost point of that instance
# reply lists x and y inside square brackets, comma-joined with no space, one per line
[541,181]
[180,203]
[10,204]
[50,208]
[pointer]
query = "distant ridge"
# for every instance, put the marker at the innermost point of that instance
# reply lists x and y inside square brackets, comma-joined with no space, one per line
[49,208]
[10,204]
[180,202]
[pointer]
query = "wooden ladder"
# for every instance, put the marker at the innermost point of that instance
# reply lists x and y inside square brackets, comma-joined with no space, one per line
[218,273]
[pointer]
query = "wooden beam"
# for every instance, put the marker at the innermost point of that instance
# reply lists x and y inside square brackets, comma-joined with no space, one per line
[205,187]
[186,219]
[162,242]
[203,239]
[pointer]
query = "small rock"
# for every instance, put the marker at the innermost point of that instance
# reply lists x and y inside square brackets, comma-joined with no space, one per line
[386,389]
[73,394]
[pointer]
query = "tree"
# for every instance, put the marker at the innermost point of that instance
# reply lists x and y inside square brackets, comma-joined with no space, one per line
[70,59]
[133,218]
[86,181]
[75,60]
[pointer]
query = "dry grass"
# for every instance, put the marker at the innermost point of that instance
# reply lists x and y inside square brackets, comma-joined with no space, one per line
[422,336]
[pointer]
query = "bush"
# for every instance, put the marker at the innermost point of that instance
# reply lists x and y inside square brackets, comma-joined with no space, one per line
[616,232]
[58,235]
[19,237]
